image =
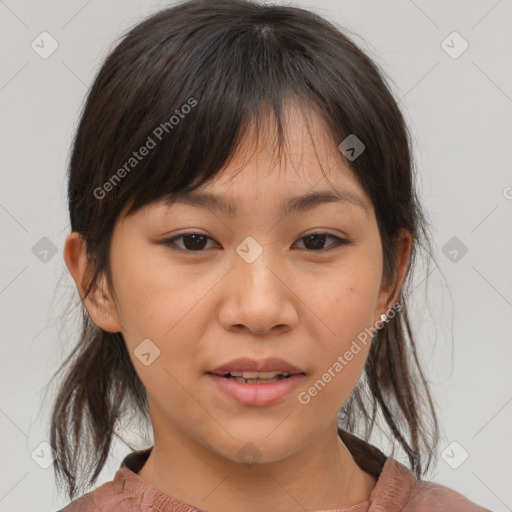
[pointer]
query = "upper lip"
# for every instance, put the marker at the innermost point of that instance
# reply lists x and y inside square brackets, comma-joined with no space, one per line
[244,364]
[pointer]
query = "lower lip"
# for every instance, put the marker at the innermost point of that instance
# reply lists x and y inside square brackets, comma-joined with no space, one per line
[257,394]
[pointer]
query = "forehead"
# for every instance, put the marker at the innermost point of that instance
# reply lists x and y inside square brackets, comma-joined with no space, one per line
[307,170]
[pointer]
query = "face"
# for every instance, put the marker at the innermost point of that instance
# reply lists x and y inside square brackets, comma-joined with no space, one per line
[197,286]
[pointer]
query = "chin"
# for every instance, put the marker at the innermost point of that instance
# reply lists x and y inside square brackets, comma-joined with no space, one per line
[251,445]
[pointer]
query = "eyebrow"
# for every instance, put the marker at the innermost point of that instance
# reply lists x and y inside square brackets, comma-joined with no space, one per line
[298,203]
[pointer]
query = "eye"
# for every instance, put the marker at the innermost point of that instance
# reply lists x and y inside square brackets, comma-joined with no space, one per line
[193,242]
[315,241]
[196,242]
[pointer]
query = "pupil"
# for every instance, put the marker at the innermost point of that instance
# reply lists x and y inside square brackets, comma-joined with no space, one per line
[195,238]
[315,237]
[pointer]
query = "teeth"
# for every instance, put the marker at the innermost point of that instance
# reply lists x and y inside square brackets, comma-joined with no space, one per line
[257,375]
[257,381]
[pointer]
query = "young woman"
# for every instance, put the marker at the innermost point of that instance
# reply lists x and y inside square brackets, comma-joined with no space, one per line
[243,227]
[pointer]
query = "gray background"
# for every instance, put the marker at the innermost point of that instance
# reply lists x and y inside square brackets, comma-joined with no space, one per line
[459,111]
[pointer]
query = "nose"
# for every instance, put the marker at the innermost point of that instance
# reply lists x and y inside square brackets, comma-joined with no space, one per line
[259,297]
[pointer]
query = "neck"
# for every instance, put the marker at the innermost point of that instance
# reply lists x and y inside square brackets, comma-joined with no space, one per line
[320,476]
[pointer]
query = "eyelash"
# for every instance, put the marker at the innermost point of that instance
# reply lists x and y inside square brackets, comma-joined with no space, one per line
[170,242]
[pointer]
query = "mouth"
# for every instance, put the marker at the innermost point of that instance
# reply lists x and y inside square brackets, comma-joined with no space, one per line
[250,371]
[256,392]
[257,383]
[256,377]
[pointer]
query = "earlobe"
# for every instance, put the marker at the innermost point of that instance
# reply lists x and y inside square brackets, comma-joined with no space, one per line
[99,304]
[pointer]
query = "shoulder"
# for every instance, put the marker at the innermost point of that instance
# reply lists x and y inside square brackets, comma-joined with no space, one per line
[434,497]
[397,488]
[107,498]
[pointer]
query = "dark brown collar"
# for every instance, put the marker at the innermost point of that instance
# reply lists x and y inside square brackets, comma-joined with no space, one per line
[369,458]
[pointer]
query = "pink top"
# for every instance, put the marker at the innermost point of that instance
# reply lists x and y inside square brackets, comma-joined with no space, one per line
[397,488]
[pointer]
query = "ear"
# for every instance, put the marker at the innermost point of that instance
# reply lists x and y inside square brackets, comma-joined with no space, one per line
[99,303]
[388,296]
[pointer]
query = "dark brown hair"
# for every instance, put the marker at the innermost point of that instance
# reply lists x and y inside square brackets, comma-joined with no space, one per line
[229,61]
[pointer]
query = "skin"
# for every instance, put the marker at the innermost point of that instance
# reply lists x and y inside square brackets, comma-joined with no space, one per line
[201,309]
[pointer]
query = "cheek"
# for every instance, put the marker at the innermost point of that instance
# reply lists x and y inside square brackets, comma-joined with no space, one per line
[345,301]
[154,297]
[346,306]
[162,304]
[340,355]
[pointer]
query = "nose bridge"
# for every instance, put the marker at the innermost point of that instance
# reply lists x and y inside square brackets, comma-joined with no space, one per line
[255,271]
[258,298]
